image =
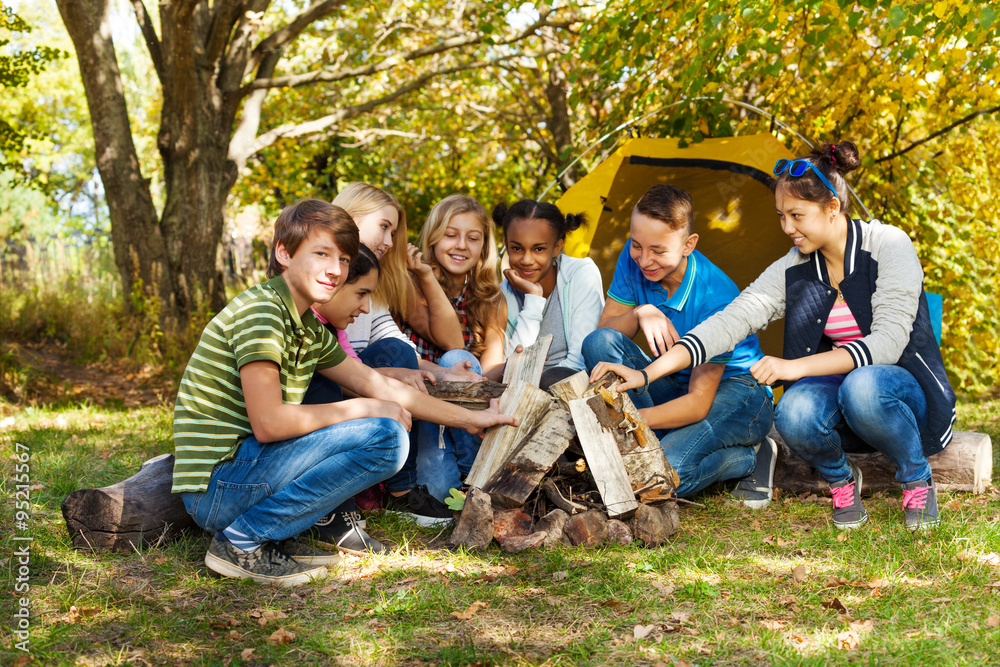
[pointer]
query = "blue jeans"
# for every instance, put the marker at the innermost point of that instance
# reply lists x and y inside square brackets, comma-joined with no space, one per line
[383,353]
[716,448]
[277,490]
[440,459]
[883,406]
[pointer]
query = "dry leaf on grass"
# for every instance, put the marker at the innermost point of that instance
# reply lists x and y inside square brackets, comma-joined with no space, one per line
[642,631]
[835,603]
[281,636]
[776,541]
[993,621]
[848,640]
[470,612]
[246,654]
[76,614]
[680,616]
[665,588]
[836,582]
[842,537]
[24,660]
[953,505]
[992,559]
[773,624]
[799,573]
[560,575]
[790,601]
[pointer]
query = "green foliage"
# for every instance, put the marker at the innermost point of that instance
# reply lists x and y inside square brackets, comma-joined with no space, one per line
[17,65]
[456,500]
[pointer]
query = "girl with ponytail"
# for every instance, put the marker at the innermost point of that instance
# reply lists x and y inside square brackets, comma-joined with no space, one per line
[862,368]
[548,292]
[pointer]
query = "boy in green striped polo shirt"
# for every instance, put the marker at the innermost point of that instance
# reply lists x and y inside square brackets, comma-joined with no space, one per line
[253,464]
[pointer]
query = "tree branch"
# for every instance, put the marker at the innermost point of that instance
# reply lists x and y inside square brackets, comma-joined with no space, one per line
[944,130]
[455,42]
[149,35]
[277,40]
[240,154]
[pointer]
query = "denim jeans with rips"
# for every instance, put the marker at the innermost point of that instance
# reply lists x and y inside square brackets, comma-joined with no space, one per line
[719,447]
[273,491]
[820,418]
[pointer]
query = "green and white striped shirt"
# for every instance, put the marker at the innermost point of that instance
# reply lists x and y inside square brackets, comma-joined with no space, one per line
[210,418]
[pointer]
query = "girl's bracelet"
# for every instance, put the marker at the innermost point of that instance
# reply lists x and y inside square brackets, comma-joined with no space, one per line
[645,386]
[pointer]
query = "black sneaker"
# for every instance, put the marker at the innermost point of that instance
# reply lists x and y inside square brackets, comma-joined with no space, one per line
[268,564]
[848,512]
[420,506]
[309,555]
[756,489]
[344,531]
[920,504]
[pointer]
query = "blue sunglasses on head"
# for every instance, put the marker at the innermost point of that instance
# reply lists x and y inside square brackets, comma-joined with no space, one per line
[798,168]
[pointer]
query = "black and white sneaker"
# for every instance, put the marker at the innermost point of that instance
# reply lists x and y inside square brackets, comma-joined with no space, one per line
[268,564]
[420,506]
[344,531]
[757,489]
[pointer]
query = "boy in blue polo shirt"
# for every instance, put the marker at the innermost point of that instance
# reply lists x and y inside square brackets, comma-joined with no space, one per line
[713,419]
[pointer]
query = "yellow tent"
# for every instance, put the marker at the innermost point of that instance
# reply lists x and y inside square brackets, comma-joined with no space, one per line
[733,204]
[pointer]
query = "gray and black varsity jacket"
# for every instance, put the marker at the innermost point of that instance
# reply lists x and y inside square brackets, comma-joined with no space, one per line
[883,285]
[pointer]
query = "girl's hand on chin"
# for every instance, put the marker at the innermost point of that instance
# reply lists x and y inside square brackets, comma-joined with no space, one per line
[520,284]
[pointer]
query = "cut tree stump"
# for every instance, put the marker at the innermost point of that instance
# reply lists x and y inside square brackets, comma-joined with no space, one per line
[511,485]
[964,465]
[603,459]
[471,395]
[529,364]
[137,512]
[529,404]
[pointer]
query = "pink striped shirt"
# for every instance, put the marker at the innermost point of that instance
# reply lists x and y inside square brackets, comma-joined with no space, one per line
[841,327]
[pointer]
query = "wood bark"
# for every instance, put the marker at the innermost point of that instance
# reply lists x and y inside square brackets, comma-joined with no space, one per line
[964,465]
[511,485]
[604,460]
[529,404]
[136,512]
[528,364]
[471,395]
[474,529]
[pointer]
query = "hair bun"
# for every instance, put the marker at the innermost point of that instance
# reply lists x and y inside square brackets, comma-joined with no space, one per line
[842,156]
[499,213]
[575,220]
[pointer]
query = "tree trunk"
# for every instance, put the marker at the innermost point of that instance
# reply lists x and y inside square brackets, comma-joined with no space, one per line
[139,247]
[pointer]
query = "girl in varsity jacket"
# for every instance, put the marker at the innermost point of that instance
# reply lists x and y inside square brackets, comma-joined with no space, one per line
[861,364]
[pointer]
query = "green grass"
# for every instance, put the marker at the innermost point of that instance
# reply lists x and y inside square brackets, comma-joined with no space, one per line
[721,593]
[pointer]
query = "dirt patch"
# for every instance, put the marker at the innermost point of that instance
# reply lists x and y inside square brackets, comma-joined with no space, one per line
[45,374]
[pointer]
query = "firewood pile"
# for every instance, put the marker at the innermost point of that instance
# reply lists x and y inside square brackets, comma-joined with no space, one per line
[581,467]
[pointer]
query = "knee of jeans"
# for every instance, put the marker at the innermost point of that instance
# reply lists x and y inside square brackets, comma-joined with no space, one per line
[392,436]
[860,391]
[390,353]
[795,415]
[597,344]
[452,357]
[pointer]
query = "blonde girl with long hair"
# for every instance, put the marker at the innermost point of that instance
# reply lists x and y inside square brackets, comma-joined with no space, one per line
[456,286]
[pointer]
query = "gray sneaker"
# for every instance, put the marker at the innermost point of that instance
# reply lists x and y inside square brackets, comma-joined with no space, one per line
[343,531]
[267,565]
[920,504]
[848,512]
[309,555]
[757,489]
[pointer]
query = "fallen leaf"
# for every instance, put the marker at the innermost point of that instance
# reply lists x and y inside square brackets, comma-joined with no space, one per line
[848,640]
[76,614]
[642,631]
[790,601]
[862,626]
[680,616]
[773,624]
[470,612]
[560,575]
[799,573]
[704,650]
[835,603]
[664,588]
[281,636]
[776,541]
[993,621]
[836,582]
[876,583]
[842,537]
[611,602]
[953,505]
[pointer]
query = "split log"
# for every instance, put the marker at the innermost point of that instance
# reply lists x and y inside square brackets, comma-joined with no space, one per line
[474,529]
[553,524]
[471,395]
[604,460]
[964,465]
[515,544]
[619,532]
[570,388]
[571,468]
[511,485]
[645,462]
[510,523]
[528,364]
[588,529]
[529,404]
[137,512]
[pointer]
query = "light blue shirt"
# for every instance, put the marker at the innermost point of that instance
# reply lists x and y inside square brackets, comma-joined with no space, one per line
[705,290]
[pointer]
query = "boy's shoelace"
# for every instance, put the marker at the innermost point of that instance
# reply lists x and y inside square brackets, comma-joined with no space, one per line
[843,496]
[916,498]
